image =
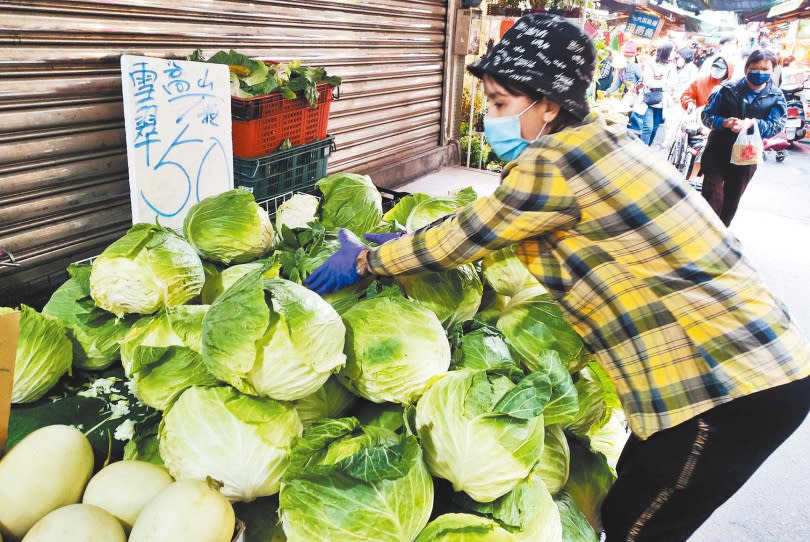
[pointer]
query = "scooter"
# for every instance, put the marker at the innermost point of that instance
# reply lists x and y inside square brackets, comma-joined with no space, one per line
[687,149]
[778,145]
[795,124]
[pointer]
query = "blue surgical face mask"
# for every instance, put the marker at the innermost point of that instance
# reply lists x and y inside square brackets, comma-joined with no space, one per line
[504,135]
[758,78]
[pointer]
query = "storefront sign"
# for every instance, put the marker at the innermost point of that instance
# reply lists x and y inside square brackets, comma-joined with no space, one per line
[178,129]
[642,25]
[784,7]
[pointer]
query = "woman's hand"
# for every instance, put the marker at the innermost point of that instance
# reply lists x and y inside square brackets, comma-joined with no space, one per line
[731,123]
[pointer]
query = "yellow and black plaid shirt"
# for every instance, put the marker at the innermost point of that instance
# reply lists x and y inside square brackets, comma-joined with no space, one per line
[644,271]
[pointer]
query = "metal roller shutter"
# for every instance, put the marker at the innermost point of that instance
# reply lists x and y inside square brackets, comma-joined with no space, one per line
[63,170]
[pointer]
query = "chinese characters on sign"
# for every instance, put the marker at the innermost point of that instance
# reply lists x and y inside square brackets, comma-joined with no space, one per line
[642,25]
[178,125]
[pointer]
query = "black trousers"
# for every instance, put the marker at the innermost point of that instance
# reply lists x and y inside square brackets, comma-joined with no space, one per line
[671,483]
[723,189]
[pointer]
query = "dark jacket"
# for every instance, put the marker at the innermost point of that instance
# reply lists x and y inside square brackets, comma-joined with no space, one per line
[726,101]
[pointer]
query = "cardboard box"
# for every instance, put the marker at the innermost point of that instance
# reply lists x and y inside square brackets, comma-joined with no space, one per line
[9,329]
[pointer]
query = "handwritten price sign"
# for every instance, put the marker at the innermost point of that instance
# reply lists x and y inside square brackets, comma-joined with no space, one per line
[178,125]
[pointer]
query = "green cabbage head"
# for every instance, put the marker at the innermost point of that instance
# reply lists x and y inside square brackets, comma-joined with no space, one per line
[533,325]
[95,333]
[219,281]
[528,512]
[575,525]
[352,483]
[297,212]
[147,269]
[554,464]
[430,210]
[395,349]
[333,400]
[44,354]
[161,355]
[483,430]
[350,201]
[272,337]
[242,441]
[454,296]
[464,528]
[229,227]
[507,275]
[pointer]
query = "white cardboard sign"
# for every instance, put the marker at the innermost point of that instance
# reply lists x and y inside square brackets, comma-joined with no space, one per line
[178,127]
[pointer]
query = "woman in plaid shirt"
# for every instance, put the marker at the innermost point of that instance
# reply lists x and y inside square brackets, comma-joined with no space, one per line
[710,369]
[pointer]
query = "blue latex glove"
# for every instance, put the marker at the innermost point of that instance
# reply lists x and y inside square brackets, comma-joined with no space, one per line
[381,238]
[339,269]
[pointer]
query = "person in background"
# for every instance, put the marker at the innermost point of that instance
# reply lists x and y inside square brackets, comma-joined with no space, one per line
[733,107]
[730,51]
[697,94]
[687,72]
[632,74]
[711,370]
[659,81]
[630,77]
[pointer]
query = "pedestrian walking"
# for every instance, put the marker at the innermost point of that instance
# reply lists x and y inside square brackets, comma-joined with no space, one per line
[659,82]
[732,108]
[697,94]
[711,371]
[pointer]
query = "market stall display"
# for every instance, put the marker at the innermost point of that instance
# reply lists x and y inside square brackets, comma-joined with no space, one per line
[392,410]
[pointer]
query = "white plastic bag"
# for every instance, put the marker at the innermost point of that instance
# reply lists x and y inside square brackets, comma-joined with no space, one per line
[748,148]
[640,108]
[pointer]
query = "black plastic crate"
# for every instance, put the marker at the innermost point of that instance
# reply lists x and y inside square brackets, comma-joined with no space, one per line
[295,169]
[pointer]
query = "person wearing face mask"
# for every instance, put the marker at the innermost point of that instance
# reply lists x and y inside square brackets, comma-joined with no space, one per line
[697,347]
[733,107]
[687,72]
[697,94]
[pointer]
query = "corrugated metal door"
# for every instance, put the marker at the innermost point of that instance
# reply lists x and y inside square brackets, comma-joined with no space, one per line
[63,169]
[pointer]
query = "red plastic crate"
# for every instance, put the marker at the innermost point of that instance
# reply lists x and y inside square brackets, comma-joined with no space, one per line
[261,124]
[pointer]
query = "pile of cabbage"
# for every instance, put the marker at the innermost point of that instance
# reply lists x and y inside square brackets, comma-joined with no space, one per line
[449,406]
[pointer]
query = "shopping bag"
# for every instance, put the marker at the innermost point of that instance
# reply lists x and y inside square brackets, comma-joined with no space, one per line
[748,148]
[640,107]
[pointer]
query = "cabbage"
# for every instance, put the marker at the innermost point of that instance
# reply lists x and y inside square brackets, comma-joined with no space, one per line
[454,296]
[244,442]
[528,512]
[400,212]
[507,275]
[220,281]
[94,333]
[610,438]
[481,348]
[563,407]
[162,355]
[148,268]
[428,211]
[533,325]
[44,354]
[575,525]
[352,483]
[589,481]
[350,201]
[297,212]
[331,401]
[272,337]
[554,464]
[464,528]
[229,227]
[395,348]
[481,431]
